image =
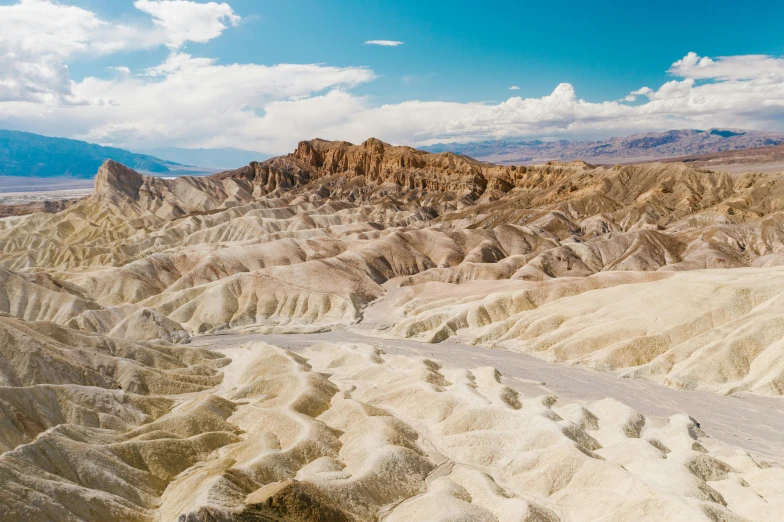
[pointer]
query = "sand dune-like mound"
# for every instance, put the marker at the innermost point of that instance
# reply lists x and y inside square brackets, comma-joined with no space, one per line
[345,432]
[42,353]
[718,330]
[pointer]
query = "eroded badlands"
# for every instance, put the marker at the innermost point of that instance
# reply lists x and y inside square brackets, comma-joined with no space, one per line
[658,272]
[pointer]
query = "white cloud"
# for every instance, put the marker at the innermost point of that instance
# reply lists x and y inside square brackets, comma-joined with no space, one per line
[185,21]
[728,68]
[680,103]
[643,91]
[514,88]
[384,43]
[195,101]
[50,28]
[38,37]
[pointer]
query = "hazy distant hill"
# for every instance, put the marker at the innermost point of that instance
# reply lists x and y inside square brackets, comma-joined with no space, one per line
[32,155]
[225,158]
[638,147]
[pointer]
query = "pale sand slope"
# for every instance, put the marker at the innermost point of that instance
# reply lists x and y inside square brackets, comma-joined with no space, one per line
[749,421]
[346,432]
[769,167]
[717,330]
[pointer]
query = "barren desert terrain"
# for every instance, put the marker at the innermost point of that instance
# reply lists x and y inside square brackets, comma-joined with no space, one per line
[370,332]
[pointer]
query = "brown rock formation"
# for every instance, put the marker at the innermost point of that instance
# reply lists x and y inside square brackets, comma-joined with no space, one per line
[659,271]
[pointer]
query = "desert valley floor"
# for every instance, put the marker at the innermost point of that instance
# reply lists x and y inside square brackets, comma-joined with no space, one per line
[368,332]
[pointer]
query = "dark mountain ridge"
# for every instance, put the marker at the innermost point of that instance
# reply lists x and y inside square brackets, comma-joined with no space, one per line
[28,155]
[32,155]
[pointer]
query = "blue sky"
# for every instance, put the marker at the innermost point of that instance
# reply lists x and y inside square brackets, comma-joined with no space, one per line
[462,54]
[467,51]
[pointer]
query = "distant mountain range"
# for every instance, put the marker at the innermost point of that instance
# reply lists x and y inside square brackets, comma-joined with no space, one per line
[32,155]
[757,159]
[23,154]
[29,155]
[225,158]
[629,149]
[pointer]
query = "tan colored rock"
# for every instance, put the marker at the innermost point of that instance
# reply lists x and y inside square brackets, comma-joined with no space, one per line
[658,271]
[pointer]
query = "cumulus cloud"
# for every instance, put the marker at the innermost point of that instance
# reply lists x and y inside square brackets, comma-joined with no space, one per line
[188,99]
[185,21]
[728,68]
[514,88]
[38,37]
[196,101]
[384,43]
[644,91]
[680,103]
